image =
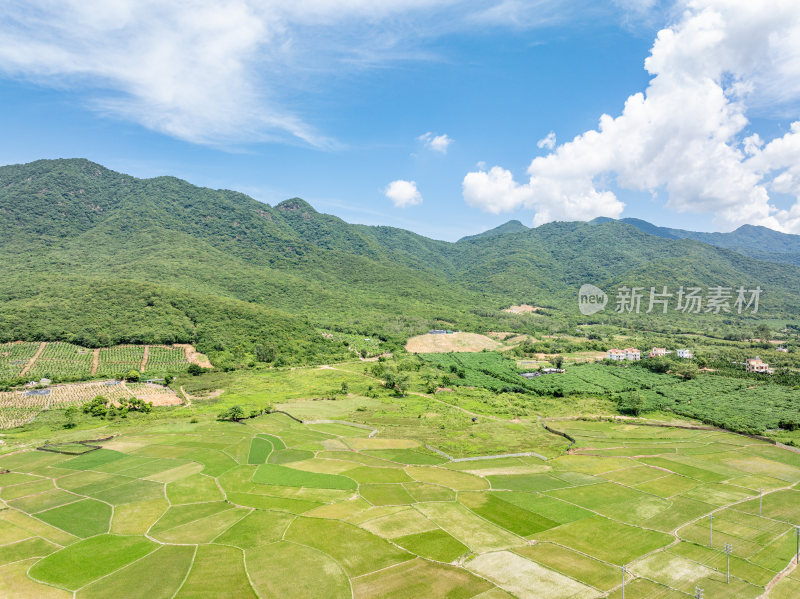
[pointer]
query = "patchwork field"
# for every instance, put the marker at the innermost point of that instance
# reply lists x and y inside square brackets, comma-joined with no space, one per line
[273,508]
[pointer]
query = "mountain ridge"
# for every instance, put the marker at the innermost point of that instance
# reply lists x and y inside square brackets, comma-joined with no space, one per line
[192,264]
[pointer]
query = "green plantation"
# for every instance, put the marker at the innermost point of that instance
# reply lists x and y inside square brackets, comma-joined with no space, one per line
[729,400]
[186,506]
[58,361]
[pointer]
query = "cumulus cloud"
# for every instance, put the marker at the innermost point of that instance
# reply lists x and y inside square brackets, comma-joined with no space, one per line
[548,142]
[403,193]
[223,71]
[687,133]
[437,143]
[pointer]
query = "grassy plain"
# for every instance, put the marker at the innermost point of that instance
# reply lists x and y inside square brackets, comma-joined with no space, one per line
[201,505]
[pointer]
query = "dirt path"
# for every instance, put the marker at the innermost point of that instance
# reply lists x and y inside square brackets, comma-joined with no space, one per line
[783,574]
[193,356]
[35,357]
[95,361]
[145,357]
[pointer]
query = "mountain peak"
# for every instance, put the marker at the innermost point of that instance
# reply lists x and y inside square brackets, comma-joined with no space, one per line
[295,205]
[512,226]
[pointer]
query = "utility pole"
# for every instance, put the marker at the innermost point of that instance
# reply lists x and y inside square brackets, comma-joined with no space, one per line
[797,534]
[760,500]
[728,550]
[698,593]
[623,581]
[711,530]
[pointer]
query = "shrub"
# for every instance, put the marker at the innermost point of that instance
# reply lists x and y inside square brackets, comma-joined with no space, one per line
[196,370]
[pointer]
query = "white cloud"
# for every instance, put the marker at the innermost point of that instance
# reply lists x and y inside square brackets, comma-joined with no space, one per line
[223,71]
[548,142]
[437,143]
[687,132]
[496,191]
[403,193]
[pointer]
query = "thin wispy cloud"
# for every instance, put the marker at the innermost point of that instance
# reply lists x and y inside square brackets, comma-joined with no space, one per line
[223,71]
[437,143]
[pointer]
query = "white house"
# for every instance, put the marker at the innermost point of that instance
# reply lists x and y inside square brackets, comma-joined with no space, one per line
[631,353]
[616,354]
[685,353]
[757,365]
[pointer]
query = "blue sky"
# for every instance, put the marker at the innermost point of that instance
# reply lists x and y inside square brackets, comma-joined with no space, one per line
[331,107]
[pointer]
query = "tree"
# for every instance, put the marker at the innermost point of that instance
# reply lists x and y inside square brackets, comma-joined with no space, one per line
[686,370]
[234,414]
[558,361]
[133,376]
[631,403]
[345,388]
[69,417]
[196,369]
[762,332]
[265,352]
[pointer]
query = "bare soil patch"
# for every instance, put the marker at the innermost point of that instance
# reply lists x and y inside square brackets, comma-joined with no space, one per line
[193,356]
[145,357]
[522,309]
[455,342]
[95,361]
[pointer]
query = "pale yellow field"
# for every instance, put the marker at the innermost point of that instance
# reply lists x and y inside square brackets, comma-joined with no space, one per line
[457,342]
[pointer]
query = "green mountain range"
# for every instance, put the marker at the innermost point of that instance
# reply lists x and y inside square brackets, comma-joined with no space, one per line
[751,240]
[97,257]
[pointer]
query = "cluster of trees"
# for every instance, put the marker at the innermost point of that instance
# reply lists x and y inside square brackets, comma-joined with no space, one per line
[100,407]
[237,413]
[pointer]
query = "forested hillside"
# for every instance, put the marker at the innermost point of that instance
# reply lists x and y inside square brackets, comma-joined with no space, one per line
[96,257]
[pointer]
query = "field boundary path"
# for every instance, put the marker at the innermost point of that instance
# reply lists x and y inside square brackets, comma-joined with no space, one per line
[365,427]
[95,361]
[35,357]
[145,357]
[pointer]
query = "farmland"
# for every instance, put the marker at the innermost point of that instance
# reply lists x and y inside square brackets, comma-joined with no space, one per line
[66,362]
[738,404]
[20,406]
[272,507]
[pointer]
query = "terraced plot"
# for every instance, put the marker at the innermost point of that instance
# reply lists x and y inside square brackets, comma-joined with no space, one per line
[203,510]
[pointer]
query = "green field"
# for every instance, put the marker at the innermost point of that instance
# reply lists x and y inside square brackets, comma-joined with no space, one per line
[272,507]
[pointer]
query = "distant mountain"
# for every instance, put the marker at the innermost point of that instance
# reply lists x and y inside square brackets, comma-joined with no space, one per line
[97,257]
[512,226]
[751,240]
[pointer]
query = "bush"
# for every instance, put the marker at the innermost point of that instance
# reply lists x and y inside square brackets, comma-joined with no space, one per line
[97,407]
[234,414]
[196,370]
[133,376]
[789,424]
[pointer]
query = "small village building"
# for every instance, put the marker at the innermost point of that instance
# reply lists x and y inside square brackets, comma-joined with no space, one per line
[782,349]
[758,365]
[684,353]
[552,370]
[616,354]
[631,353]
[657,352]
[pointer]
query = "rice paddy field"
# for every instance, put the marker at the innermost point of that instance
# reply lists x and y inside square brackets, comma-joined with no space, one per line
[270,507]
